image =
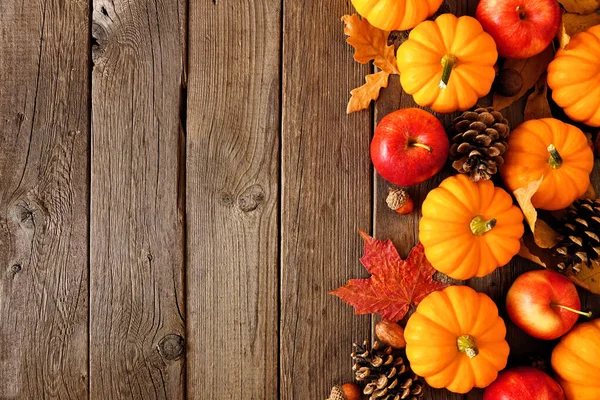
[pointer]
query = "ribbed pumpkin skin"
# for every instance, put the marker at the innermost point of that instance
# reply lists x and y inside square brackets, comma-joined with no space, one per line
[445,232]
[400,15]
[526,160]
[420,63]
[574,77]
[576,361]
[431,339]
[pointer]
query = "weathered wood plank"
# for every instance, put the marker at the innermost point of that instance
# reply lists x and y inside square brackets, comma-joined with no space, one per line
[137,242]
[326,198]
[44,133]
[232,199]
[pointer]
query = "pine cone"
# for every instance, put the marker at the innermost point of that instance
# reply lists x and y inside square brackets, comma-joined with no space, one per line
[478,142]
[383,373]
[579,228]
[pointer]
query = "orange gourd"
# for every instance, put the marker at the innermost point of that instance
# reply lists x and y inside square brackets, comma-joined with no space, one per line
[550,148]
[447,64]
[469,229]
[574,77]
[576,361]
[455,340]
[400,15]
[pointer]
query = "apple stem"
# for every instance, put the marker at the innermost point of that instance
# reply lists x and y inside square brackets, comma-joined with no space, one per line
[448,63]
[467,345]
[421,145]
[555,159]
[521,12]
[585,314]
[480,226]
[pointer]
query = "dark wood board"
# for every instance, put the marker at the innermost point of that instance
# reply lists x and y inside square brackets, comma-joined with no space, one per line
[233,199]
[136,223]
[44,136]
[326,197]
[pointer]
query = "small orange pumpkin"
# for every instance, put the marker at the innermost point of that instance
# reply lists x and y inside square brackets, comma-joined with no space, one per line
[550,148]
[391,15]
[456,340]
[574,77]
[469,229]
[447,64]
[576,361]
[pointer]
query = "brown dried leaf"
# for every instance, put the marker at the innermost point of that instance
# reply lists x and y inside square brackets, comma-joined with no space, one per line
[526,253]
[530,69]
[588,278]
[580,6]
[537,103]
[370,43]
[562,36]
[575,23]
[362,96]
[544,236]
[590,193]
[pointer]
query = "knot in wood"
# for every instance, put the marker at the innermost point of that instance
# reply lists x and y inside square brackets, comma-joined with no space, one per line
[251,198]
[16,268]
[171,347]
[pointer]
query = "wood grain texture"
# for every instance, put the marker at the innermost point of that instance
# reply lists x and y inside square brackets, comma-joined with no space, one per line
[326,197]
[44,133]
[232,199]
[137,242]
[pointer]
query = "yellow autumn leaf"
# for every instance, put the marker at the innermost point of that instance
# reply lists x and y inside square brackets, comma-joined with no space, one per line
[530,69]
[580,6]
[544,236]
[362,96]
[370,43]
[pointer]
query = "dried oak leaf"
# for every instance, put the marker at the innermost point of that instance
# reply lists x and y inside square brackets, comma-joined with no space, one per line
[575,23]
[537,103]
[580,6]
[530,69]
[362,96]
[369,43]
[544,236]
[394,285]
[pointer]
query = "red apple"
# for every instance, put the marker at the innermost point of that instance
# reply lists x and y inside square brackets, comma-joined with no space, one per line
[521,28]
[409,147]
[524,383]
[544,304]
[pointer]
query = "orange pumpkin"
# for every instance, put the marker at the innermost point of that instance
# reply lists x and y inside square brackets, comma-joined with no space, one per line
[576,361]
[574,77]
[469,229]
[550,148]
[400,15]
[455,340]
[447,64]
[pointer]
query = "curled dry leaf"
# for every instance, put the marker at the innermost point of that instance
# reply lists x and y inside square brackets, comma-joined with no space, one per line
[530,69]
[537,103]
[544,236]
[575,23]
[369,43]
[562,36]
[361,97]
[580,6]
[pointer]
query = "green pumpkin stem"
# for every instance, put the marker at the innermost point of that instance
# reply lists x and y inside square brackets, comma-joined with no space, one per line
[555,159]
[467,345]
[480,226]
[448,63]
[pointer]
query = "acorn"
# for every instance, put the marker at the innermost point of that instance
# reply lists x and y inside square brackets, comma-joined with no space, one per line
[391,334]
[347,391]
[399,201]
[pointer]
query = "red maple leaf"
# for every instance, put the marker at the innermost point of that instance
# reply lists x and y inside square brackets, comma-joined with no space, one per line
[394,285]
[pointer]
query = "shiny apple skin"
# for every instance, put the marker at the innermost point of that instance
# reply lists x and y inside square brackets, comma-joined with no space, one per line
[524,383]
[529,300]
[396,160]
[516,37]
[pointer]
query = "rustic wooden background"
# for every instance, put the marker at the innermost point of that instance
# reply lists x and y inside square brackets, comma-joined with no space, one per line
[180,188]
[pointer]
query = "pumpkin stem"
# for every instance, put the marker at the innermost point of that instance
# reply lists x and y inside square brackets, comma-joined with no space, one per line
[448,62]
[467,345]
[585,314]
[555,159]
[479,226]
